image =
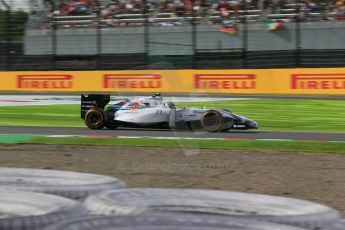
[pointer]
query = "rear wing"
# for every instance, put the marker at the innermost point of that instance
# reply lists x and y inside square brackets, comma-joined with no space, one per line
[93,101]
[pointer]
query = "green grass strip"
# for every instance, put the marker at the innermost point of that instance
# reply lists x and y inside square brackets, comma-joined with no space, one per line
[252,145]
[13,138]
[44,115]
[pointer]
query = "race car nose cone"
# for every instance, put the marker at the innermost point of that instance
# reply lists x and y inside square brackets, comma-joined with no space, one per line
[252,124]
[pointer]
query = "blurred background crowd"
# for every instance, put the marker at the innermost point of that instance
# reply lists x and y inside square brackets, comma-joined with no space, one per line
[174,12]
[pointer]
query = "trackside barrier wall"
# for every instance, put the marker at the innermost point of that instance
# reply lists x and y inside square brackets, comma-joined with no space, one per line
[316,81]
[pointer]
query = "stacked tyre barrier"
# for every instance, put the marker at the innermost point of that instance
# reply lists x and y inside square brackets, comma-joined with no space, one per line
[32,199]
[67,184]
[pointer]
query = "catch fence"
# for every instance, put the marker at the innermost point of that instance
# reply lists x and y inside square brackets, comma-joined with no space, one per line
[247,38]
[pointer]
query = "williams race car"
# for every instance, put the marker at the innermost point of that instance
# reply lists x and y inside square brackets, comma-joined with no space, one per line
[150,112]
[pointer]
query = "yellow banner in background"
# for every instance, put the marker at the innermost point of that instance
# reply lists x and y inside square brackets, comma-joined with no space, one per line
[320,81]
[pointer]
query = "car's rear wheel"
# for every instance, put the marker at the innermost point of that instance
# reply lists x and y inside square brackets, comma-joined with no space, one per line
[95,118]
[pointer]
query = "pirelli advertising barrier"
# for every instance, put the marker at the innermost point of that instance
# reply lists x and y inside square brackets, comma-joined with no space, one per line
[330,81]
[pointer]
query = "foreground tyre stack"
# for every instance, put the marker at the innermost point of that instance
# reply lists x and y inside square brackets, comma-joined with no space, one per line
[31,199]
[61,183]
[28,210]
[167,222]
[56,200]
[339,225]
[246,206]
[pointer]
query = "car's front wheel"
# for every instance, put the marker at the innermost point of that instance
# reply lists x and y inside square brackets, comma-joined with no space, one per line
[95,118]
[211,121]
[214,121]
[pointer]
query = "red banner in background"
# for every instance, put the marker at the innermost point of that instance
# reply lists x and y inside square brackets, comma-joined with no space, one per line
[329,81]
[318,81]
[45,81]
[224,81]
[132,81]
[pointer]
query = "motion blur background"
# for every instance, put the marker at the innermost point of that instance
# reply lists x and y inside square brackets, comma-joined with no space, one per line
[255,47]
[128,34]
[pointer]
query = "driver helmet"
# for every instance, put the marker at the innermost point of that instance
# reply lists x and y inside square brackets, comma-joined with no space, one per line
[157,96]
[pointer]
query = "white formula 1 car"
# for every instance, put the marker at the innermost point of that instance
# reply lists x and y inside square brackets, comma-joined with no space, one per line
[150,112]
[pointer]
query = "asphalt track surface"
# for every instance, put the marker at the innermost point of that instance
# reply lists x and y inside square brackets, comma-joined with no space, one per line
[247,134]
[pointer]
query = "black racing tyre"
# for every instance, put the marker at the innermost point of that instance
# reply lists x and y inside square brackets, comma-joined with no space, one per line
[166,222]
[95,118]
[214,121]
[211,121]
[21,210]
[275,209]
[62,183]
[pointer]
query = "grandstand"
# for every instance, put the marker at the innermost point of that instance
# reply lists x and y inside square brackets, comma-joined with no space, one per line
[124,34]
[119,13]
